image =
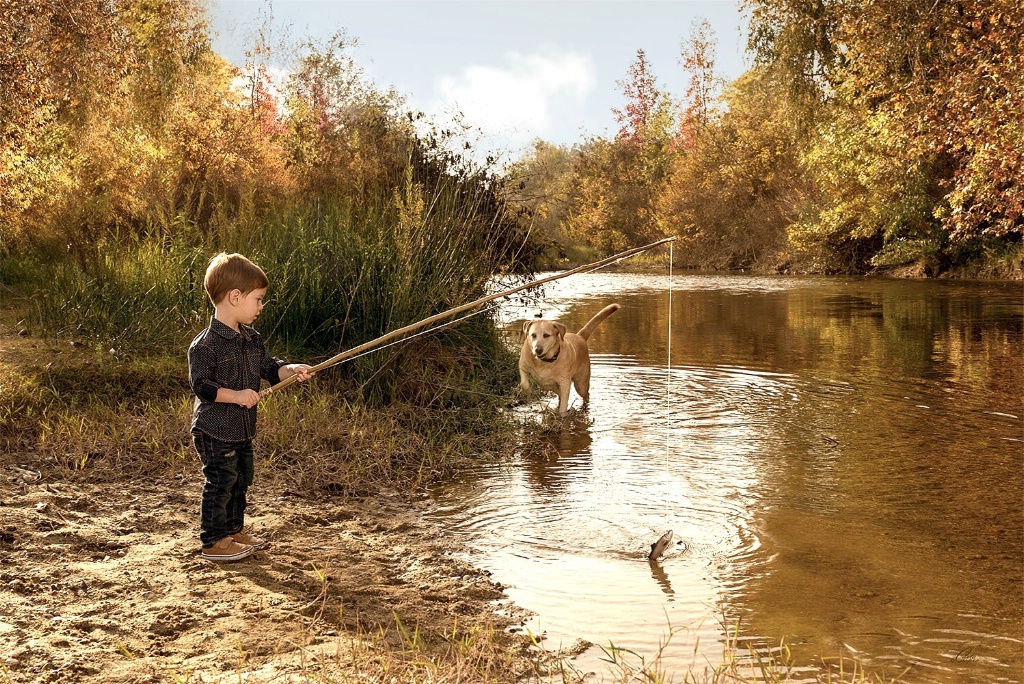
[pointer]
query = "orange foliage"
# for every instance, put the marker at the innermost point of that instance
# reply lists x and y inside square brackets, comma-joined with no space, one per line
[951,74]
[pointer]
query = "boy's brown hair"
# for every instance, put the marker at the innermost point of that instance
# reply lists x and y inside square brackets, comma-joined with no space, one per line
[227,272]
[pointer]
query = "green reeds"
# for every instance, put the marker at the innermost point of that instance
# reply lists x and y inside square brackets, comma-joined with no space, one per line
[340,273]
[132,297]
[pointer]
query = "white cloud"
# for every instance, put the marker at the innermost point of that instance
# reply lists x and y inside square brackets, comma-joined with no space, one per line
[519,100]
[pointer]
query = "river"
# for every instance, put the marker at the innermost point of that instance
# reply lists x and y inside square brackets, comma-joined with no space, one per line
[841,462]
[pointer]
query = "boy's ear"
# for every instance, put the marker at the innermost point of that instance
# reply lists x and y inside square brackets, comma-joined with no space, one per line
[235,296]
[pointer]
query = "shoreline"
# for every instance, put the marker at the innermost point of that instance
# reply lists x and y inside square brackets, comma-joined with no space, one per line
[105,584]
[100,575]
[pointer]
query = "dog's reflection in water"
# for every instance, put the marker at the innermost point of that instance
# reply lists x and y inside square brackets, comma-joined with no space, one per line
[557,457]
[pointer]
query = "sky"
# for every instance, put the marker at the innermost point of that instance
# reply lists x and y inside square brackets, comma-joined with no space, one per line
[517,70]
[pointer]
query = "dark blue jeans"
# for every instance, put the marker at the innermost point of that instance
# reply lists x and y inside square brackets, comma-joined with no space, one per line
[228,469]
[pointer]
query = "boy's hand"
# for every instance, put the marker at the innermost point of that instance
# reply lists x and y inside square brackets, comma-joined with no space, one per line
[247,398]
[301,370]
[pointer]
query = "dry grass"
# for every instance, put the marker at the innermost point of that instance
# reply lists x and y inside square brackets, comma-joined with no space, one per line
[85,415]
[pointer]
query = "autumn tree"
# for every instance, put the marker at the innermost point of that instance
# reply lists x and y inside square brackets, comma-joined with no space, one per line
[915,133]
[731,194]
[594,197]
[347,136]
[704,87]
[948,77]
[616,183]
[55,56]
[729,191]
[123,122]
[643,103]
[539,184]
[794,44]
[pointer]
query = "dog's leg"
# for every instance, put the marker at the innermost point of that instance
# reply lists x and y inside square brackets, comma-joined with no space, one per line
[563,399]
[582,384]
[524,385]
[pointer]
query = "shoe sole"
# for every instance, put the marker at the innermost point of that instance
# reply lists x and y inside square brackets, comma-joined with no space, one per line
[226,558]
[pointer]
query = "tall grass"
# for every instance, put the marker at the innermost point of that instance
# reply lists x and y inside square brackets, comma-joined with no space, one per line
[133,297]
[341,274]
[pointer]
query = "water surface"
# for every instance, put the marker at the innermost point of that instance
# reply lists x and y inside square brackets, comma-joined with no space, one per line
[840,459]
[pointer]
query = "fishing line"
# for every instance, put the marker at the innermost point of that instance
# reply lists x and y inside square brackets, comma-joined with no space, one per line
[660,546]
[668,367]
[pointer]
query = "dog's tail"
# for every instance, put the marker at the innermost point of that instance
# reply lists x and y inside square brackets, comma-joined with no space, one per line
[604,313]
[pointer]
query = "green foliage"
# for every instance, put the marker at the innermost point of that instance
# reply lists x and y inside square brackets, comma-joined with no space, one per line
[794,45]
[866,198]
[917,110]
[122,296]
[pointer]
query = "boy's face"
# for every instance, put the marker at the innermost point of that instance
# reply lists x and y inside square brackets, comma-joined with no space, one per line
[248,305]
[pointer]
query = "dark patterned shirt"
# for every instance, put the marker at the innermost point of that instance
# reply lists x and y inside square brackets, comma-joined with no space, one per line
[220,357]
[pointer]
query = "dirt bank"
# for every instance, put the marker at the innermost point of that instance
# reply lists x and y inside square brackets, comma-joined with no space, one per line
[103,583]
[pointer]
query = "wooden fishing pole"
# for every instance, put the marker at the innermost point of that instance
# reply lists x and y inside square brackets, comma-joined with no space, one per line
[457,310]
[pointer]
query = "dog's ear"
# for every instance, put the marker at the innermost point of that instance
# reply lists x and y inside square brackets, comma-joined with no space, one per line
[526,326]
[560,330]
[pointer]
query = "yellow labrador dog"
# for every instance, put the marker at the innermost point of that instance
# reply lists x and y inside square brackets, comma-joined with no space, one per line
[556,359]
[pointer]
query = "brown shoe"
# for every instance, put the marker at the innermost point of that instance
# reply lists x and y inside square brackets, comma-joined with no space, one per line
[244,537]
[227,549]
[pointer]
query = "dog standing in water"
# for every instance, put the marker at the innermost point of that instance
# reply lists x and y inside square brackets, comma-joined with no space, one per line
[557,360]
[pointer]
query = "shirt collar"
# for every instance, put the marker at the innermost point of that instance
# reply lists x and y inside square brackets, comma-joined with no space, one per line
[227,332]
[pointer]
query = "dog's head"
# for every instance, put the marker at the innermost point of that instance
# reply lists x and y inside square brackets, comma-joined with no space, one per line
[544,338]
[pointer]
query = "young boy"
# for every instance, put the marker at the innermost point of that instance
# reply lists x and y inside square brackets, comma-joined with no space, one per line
[225,364]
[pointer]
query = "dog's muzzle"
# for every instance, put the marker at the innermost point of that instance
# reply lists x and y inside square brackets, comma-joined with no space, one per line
[551,360]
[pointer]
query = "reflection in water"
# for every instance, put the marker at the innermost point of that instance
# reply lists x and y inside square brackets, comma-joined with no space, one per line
[661,577]
[842,458]
[563,455]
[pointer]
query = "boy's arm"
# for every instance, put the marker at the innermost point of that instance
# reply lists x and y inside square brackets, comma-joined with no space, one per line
[246,398]
[288,370]
[201,365]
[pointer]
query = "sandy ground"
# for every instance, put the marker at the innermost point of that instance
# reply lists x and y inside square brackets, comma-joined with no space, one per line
[103,583]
